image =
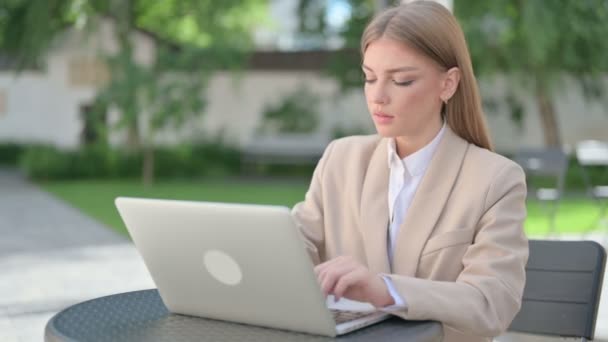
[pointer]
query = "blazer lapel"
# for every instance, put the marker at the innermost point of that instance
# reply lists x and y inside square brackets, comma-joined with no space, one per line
[428,202]
[374,210]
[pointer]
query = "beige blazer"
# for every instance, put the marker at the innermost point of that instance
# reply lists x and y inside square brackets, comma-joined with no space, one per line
[460,252]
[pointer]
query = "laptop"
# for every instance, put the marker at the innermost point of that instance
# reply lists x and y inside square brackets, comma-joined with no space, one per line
[236,262]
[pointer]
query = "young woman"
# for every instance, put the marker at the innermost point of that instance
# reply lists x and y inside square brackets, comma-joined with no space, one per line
[423,219]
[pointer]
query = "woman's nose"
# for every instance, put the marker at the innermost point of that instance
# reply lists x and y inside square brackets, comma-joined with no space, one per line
[379,95]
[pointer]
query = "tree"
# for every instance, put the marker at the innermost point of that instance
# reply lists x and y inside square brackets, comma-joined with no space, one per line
[169,91]
[536,43]
[295,113]
[193,39]
[532,42]
[28,27]
[345,64]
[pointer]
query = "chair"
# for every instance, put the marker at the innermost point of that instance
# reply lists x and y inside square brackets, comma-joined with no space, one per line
[563,287]
[594,154]
[540,164]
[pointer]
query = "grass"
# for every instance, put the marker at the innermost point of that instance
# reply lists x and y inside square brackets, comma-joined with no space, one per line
[574,216]
[96,198]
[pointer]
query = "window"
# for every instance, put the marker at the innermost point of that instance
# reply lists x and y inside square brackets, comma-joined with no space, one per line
[87,71]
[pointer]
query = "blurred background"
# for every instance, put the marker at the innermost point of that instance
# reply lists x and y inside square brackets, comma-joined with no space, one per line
[235,101]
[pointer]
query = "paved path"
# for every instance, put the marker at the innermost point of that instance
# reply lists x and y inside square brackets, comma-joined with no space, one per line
[53,256]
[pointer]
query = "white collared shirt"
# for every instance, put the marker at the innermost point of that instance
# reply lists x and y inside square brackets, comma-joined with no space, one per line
[405,176]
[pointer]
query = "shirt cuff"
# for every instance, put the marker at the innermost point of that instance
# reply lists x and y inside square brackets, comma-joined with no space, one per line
[400,302]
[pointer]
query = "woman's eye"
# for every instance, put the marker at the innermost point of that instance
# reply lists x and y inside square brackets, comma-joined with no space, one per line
[369,80]
[404,84]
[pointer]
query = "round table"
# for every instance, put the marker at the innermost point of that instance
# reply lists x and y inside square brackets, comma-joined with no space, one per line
[142,316]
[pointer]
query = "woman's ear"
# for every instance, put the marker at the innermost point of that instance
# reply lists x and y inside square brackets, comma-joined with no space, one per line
[450,83]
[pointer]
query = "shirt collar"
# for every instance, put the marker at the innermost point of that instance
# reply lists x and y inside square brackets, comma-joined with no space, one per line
[417,162]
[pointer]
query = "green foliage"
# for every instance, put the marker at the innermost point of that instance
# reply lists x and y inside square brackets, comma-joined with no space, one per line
[10,153]
[340,132]
[155,94]
[535,43]
[45,162]
[297,113]
[575,180]
[100,161]
[193,38]
[201,23]
[536,38]
[345,64]
[277,171]
[28,27]
[169,92]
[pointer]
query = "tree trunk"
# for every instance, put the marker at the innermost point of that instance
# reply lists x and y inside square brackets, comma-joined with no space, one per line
[123,12]
[548,117]
[133,142]
[148,165]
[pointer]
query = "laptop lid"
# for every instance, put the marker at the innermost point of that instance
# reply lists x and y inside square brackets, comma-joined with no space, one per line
[235,262]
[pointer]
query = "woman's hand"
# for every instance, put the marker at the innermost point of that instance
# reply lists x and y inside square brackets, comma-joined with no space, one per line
[346,277]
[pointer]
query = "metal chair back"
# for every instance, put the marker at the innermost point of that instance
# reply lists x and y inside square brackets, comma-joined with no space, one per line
[563,288]
[545,163]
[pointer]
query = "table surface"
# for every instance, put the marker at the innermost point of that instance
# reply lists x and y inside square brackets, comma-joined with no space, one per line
[142,316]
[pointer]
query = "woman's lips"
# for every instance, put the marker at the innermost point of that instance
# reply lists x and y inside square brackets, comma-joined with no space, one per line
[383,118]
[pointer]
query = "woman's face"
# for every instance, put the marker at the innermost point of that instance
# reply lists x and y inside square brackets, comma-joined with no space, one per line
[403,89]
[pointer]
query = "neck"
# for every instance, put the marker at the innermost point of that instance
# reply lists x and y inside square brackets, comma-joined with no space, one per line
[406,145]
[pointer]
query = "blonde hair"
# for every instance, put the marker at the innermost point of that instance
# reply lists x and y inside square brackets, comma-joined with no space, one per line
[432,30]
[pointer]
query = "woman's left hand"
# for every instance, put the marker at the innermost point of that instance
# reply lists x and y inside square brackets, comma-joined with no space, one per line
[346,277]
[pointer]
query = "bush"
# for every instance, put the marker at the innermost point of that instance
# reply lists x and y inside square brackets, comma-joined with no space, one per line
[102,161]
[218,158]
[45,162]
[304,171]
[187,161]
[95,161]
[10,153]
[296,113]
[575,180]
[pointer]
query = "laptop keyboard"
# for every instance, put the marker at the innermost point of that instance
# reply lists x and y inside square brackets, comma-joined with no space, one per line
[341,316]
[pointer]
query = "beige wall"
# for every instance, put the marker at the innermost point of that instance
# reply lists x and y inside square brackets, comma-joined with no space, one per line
[44,106]
[579,118]
[236,104]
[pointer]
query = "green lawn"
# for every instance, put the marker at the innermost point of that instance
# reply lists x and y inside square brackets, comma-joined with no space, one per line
[96,198]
